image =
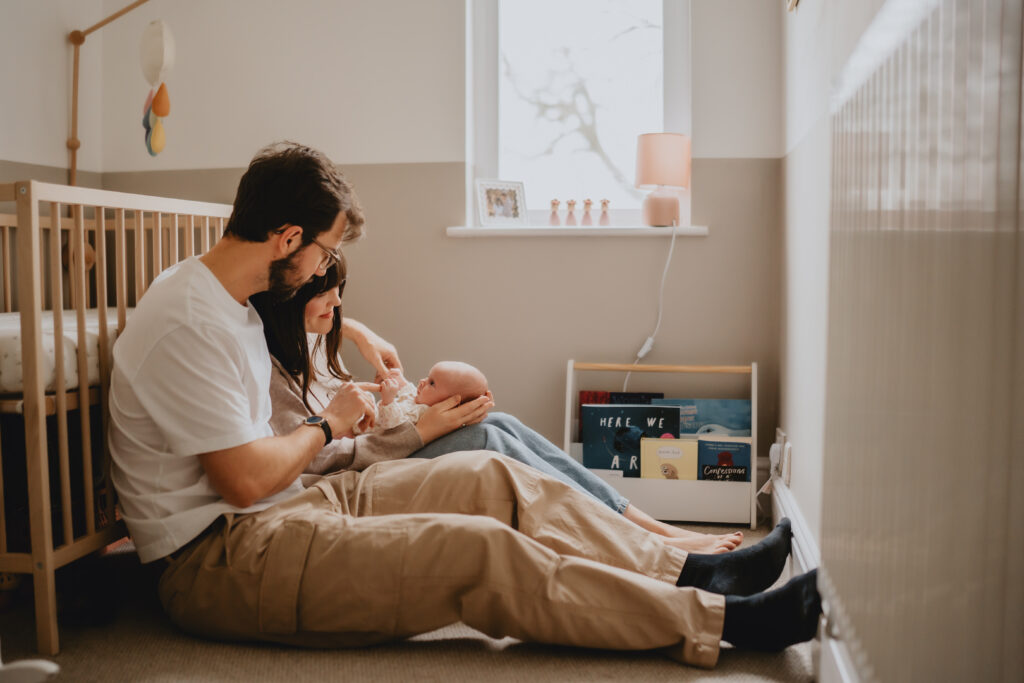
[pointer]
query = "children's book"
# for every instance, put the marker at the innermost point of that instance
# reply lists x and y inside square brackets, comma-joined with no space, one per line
[711,416]
[611,434]
[668,459]
[594,397]
[723,459]
[633,397]
[588,397]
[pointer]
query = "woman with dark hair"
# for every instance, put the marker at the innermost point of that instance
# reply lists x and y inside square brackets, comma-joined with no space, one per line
[304,336]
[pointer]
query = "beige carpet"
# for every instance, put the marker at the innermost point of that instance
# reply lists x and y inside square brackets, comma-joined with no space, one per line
[140,644]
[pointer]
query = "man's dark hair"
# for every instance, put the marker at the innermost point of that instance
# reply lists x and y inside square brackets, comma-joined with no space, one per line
[288,183]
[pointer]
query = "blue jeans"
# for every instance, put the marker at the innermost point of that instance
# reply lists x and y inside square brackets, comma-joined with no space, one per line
[505,434]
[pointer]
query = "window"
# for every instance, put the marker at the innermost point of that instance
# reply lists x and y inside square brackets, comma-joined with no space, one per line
[560,89]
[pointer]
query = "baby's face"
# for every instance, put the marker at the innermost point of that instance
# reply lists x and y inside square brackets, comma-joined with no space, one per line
[436,386]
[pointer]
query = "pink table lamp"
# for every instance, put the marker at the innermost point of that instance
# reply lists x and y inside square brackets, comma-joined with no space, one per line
[662,165]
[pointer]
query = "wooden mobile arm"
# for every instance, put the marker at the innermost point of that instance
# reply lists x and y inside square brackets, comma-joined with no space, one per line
[76,38]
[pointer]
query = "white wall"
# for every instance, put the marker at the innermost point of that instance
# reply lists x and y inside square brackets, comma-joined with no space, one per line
[817,38]
[372,82]
[737,92]
[368,81]
[35,82]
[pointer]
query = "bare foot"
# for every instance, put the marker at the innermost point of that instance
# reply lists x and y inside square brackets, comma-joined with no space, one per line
[690,541]
[707,544]
[730,541]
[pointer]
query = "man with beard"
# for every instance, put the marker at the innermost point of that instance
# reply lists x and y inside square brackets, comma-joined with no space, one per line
[400,548]
[191,371]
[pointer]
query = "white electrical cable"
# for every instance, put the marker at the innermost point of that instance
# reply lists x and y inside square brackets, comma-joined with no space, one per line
[649,342]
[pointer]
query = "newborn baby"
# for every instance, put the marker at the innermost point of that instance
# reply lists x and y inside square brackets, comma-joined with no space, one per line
[402,402]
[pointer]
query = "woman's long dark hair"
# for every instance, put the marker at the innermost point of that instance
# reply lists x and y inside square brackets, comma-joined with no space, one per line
[284,327]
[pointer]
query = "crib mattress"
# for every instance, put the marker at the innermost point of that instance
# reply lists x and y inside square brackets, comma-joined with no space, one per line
[11,373]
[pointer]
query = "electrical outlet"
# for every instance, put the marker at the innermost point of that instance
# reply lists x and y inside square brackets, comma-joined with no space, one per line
[787,462]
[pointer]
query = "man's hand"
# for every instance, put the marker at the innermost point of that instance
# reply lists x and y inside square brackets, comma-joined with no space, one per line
[379,353]
[447,416]
[352,405]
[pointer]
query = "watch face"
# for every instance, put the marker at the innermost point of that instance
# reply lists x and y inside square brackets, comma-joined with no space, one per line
[314,419]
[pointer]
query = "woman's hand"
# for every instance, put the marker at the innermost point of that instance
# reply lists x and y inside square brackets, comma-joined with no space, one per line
[379,353]
[447,416]
[350,406]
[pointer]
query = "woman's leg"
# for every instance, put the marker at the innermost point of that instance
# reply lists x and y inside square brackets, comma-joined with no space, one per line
[540,454]
[573,471]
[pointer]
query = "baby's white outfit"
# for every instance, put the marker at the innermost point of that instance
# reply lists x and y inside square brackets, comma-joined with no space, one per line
[403,409]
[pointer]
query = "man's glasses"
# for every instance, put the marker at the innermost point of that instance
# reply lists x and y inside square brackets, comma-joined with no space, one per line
[330,257]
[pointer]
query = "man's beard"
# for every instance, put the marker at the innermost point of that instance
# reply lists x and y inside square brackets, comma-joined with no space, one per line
[282,277]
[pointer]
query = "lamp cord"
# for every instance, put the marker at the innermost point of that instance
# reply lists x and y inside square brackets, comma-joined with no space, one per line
[649,342]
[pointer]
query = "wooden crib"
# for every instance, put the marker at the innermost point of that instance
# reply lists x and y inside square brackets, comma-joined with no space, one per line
[47,286]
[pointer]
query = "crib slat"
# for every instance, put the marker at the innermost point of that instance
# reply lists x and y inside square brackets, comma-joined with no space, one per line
[190,238]
[206,234]
[60,378]
[120,266]
[83,372]
[172,241]
[30,304]
[3,506]
[104,348]
[5,235]
[158,243]
[140,256]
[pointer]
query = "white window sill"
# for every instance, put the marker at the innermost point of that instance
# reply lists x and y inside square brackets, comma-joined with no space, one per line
[564,231]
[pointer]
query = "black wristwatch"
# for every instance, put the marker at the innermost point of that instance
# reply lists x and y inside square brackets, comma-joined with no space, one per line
[321,422]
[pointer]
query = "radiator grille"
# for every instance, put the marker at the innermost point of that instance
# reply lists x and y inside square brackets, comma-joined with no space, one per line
[922,513]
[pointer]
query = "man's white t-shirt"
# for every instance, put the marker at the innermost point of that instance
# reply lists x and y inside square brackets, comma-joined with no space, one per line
[191,375]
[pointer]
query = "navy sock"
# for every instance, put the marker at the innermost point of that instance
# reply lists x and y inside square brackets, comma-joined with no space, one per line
[776,619]
[742,572]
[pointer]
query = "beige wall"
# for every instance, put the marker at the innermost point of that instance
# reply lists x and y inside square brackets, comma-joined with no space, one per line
[379,87]
[737,87]
[520,308]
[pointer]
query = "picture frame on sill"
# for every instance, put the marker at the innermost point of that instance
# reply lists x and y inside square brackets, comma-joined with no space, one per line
[501,202]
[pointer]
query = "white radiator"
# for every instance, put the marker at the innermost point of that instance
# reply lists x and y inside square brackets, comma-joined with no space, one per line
[922,535]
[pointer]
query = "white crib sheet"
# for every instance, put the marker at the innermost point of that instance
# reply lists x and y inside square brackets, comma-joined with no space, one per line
[11,372]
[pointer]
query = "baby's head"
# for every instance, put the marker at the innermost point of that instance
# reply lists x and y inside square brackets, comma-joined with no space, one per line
[449,378]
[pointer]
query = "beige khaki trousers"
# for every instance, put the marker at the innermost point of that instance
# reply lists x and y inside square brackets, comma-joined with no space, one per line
[409,546]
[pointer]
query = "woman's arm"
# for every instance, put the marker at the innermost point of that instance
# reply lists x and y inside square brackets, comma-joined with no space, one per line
[379,353]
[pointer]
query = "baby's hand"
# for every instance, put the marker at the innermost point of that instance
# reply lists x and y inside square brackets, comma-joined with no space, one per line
[389,387]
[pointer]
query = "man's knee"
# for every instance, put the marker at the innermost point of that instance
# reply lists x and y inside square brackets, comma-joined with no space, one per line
[491,469]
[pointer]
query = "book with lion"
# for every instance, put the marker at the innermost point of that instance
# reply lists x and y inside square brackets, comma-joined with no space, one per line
[668,459]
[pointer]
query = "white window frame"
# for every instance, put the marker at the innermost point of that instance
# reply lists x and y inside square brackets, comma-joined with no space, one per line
[482,97]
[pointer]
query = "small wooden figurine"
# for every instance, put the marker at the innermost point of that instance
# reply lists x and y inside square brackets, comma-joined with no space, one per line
[554,220]
[570,218]
[586,213]
[605,219]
